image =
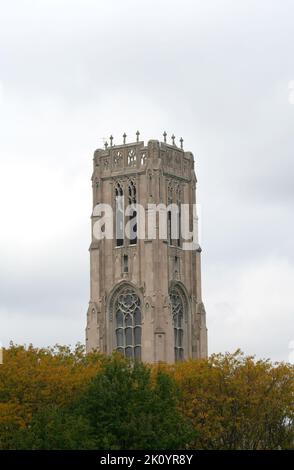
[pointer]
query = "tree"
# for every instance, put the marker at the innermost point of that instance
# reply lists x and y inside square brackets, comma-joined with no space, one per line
[32,379]
[236,402]
[122,408]
[126,410]
[58,398]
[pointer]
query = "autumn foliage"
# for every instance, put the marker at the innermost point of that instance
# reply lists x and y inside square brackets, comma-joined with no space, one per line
[63,399]
[236,402]
[31,379]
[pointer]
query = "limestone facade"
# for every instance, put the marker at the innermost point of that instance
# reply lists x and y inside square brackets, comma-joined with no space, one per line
[145,295]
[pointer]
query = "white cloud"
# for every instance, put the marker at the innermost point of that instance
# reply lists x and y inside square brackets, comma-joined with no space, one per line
[215,72]
[1,95]
[41,330]
[251,307]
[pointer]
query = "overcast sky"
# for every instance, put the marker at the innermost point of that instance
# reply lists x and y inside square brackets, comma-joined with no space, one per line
[215,72]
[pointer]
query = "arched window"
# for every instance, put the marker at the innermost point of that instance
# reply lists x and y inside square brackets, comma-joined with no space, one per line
[177,306]
[132,196]
[128,323]
[119,214]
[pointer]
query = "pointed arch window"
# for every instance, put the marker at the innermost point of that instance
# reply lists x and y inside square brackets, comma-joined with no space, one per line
[179,222]
[177,306]
[128,320]
[169,222]
[119,215]
[132,196]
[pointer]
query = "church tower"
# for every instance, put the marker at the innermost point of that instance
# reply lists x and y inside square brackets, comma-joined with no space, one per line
[145,293]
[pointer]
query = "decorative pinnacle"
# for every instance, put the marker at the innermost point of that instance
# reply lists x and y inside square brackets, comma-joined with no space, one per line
[164,136]
[137,134]
[111,139]
[173,139]
[124,137]
[181,140]
[106,145]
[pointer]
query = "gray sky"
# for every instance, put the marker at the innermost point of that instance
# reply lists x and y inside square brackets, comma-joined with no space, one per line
[216,73]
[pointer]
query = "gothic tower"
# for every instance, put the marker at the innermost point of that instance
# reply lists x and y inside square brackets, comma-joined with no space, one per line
[145,294]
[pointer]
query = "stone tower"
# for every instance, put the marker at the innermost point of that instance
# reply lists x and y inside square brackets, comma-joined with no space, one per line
[145,294]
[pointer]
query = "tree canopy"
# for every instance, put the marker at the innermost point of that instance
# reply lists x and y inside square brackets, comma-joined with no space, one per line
[58,398]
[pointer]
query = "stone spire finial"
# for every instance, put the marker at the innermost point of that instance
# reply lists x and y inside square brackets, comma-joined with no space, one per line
[164,137]
[181,141]
[106,145]
[124,137]
[111,139]
[137,134]
[173,139]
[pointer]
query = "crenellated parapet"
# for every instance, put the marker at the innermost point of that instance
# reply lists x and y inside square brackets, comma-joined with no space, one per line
[137,157]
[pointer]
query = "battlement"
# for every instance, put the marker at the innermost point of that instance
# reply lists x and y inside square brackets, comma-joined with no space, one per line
[138,157]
